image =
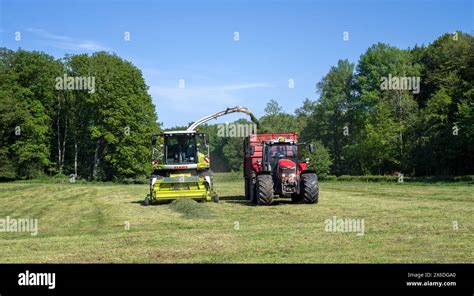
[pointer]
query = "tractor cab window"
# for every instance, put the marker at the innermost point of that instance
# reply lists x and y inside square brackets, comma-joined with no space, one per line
[279,151]
[180,149]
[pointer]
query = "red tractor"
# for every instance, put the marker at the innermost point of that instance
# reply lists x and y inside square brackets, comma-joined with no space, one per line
[272,167]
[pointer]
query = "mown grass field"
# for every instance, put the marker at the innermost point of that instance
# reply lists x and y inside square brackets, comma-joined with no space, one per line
[404,223]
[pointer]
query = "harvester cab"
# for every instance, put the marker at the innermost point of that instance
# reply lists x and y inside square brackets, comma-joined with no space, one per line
[180,148]
[181,168]
[181,162]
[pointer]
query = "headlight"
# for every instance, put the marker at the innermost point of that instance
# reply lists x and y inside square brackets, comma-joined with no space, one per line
[288,173]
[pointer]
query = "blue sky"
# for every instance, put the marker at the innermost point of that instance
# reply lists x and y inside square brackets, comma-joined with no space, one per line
[194,41]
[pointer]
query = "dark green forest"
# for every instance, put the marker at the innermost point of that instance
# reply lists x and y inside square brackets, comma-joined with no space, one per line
[364,122]
[359,128]
[102,134]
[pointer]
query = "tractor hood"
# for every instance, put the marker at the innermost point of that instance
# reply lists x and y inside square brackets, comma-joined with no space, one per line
[286,164]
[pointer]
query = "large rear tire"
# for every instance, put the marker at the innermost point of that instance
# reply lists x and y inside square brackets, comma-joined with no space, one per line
[309,188]
[264,190]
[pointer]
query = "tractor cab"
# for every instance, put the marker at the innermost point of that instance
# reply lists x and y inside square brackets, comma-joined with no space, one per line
[279,150]
[281,158]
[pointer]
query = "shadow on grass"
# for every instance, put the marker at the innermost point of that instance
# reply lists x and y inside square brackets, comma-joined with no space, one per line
[242,200]
[159,203]
[233,197]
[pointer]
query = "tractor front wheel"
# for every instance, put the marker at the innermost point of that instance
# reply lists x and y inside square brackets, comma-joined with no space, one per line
[309,188]
[264,189]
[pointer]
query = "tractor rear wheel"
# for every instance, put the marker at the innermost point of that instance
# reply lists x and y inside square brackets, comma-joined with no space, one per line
[309,188]
[264,189]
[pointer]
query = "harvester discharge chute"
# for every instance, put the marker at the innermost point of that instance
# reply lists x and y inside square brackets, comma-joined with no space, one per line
[181,162]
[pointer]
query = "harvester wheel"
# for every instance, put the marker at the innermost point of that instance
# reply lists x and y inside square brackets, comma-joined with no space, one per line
[146,202]
[264,189]
[310,188]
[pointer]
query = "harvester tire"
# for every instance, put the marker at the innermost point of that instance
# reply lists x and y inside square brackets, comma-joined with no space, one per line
[146,202]
[310,188]
[264,189]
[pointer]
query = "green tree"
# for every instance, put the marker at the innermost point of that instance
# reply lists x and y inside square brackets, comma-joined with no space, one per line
[320,160]
[123,118]
[275,120]
[376,67]
[446,127]
[27,96]
[329,120]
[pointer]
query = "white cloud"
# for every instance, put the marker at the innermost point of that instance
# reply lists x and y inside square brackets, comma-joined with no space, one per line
[66,42]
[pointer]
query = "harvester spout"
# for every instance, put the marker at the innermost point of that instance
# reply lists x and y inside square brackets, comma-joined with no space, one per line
[205,119]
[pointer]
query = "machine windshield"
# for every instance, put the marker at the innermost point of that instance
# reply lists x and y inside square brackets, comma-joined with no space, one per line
[180,149]
[279,151]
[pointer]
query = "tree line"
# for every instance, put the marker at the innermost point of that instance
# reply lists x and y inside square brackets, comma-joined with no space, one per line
[408,111]
[86,116]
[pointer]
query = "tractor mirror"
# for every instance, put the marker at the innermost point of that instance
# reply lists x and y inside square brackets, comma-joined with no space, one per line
[153,140]
[311,148]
